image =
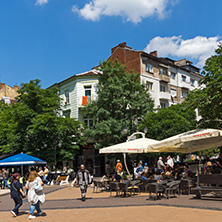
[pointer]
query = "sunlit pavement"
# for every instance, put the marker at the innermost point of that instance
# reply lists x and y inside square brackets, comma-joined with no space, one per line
[63,204]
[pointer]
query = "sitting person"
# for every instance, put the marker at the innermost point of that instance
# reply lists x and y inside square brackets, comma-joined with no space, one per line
[117,177]
[140,168]
[177,173]
[145,168]
[188,171]
[136,174]
[215,169]
[167,173]
[208,168]
[148,175]
[158,175]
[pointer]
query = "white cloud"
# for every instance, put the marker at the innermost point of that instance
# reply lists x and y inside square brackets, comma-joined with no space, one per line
[41,2]
[199,48]
[131,10]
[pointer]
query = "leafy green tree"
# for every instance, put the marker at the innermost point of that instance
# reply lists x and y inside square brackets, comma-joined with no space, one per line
[32,125]
[169,122]
[116,89]
[208,99]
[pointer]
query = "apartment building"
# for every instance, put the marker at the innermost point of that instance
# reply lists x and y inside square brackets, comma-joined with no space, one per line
[76,92]
[169,81]
[8,93]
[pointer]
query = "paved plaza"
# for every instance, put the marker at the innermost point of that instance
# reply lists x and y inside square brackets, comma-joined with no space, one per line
[64,204]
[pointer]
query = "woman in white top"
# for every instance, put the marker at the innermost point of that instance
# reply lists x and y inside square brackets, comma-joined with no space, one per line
[34,197]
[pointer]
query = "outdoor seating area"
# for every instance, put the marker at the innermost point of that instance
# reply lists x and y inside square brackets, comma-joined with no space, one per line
[208,183]
[155,189]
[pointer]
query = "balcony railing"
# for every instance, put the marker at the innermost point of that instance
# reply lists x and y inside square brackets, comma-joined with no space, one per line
[164,77]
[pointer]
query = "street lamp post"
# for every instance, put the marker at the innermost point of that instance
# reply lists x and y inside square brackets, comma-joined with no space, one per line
[129,107]
[55,147]
[124,131]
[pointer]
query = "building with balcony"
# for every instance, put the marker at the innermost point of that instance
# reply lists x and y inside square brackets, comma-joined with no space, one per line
[169,81]
[76,92]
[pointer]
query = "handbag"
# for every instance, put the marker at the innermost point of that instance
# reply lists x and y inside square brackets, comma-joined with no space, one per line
[38,186]
[23,196]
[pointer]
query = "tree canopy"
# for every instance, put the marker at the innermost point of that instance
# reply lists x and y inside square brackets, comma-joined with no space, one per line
[116,90]
[169,122]
[33,125]
[208,99]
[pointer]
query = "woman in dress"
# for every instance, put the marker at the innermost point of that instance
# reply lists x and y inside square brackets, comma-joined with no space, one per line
[16,193]
[34,197]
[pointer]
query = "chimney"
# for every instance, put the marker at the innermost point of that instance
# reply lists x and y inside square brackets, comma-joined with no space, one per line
[16,88]
[154,53]
[2,85]
[121,45]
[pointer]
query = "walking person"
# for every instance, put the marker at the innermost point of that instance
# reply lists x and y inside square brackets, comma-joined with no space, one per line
[82,180]
[46,173]
[35,194]
[16,193]
[5,178]
[1,179]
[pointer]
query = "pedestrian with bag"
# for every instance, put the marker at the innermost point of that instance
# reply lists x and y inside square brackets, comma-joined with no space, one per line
[35,194]
[16,193]
[1,179]
[82,180]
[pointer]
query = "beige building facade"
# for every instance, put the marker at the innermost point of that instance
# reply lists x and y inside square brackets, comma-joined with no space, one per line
[8,94]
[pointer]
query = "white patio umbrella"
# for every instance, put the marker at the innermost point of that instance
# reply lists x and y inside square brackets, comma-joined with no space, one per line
[135,146]
[191,141]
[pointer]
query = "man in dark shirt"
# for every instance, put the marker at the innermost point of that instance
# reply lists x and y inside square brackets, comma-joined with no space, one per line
[215,168]
[82,180]
[219,161]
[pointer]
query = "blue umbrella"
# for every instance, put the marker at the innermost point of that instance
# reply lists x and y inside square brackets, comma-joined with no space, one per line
[21,159]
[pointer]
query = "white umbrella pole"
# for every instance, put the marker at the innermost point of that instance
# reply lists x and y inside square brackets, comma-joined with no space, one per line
[124,155]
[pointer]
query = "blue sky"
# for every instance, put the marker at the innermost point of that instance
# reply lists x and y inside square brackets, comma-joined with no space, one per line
[54,39]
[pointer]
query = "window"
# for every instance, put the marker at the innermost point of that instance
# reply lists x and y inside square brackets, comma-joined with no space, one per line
[66,114]
[173,75]
[67,96]
[162,88]
[88,122]
[149,68]
[88,92]
[173,92]
[184,93]
[192,82]
[149,85]
[161,71]
[183,78]
[163,105]
[199,84]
